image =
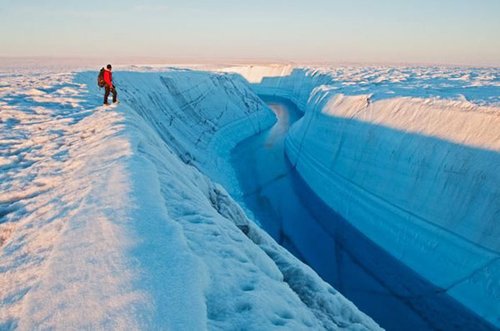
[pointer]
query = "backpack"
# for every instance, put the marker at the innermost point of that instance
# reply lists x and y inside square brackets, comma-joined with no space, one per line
[100,78]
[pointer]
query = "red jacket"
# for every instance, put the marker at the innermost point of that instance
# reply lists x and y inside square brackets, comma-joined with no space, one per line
[108,77]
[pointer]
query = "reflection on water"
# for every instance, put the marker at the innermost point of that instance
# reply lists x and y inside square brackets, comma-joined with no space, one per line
[262,172]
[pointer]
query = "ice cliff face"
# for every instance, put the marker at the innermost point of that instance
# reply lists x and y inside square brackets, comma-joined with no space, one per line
[201,115]
[414,169]
[109,218]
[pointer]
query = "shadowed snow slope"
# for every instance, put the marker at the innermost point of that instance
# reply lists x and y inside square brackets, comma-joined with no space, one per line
[107,221]
[414,169]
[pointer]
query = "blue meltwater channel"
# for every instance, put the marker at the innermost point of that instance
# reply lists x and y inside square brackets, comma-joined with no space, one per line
[284,205]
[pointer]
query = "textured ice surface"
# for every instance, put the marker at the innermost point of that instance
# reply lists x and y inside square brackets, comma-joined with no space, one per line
[107,220]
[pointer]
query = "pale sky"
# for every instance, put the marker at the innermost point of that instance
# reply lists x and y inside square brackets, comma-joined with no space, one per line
[371,31]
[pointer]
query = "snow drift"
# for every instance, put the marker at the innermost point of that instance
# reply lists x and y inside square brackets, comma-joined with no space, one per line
[109,221]
[415,170]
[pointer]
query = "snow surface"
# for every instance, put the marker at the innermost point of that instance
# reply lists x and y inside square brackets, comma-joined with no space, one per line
[480,86]
[108,219]
[410,157]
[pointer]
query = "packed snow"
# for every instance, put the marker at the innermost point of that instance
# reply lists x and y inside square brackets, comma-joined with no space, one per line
[410,158]
[110,217]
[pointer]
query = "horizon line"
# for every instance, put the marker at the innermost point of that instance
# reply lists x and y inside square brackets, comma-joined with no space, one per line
[187,60]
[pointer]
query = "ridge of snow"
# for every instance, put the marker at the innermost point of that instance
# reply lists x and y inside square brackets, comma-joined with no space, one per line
[107,221]
[454,121]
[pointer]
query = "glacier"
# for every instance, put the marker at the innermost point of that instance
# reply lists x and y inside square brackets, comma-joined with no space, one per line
[137,216]
[409,158]
[114,218]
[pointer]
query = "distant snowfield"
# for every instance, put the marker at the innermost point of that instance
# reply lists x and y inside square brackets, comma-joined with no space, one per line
[109,218]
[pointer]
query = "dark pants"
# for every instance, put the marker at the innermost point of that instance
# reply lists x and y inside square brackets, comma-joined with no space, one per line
[109,89]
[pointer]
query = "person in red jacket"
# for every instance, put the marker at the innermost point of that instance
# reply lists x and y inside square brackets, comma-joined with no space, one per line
[109,87]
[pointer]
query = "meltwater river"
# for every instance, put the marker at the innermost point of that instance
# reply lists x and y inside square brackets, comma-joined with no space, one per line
[381,286]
